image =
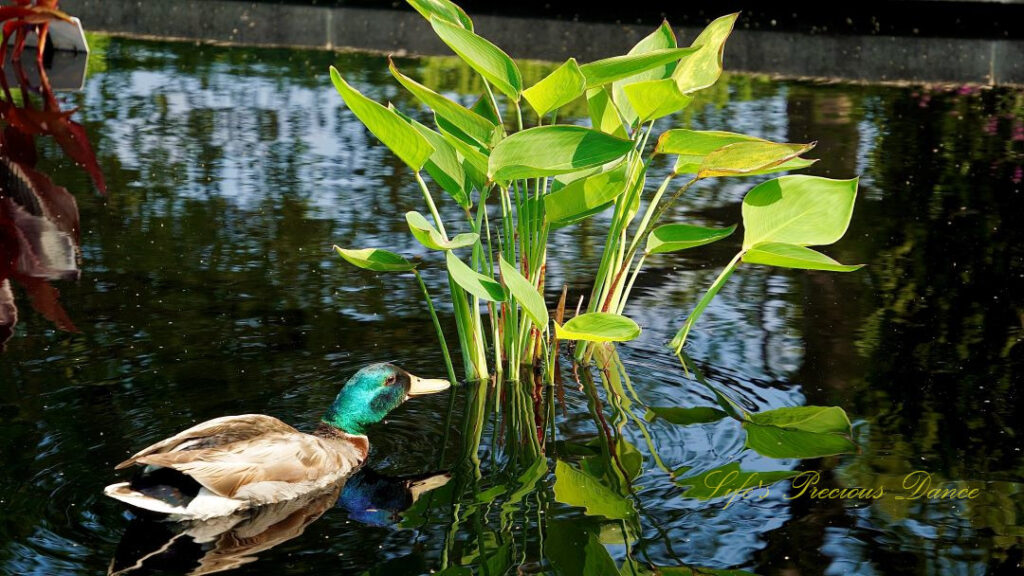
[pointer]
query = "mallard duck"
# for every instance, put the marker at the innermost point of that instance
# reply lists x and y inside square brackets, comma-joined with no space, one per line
[229,464]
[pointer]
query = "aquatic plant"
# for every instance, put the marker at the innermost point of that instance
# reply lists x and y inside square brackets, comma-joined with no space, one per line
[548,175]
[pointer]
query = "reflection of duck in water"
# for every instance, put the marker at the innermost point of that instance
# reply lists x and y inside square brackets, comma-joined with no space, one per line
[38,240]
[378,500]
[230,464]
[225,543]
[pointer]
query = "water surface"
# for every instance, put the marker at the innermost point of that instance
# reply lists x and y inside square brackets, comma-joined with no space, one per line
[208,287]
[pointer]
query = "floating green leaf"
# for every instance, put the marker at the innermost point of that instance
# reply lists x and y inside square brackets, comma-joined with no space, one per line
[800,432]
[444,10]
[598,327]
[577,488]
[430,237]
[660,39]
[565,84]
[551,150]
[745,158]
[473,282]
[385,124]
[472,124]
[604,115]
[793,256]
[375,259]
[819,419]
[685,416]
[487,59]
[780,443]
[801,210]
[675,237]
[730,480]
[602,72]
[703,68]
[584,197]
[652,99]
[525,293]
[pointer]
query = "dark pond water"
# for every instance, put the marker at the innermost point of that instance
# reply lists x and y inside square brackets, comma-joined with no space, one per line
[208,288]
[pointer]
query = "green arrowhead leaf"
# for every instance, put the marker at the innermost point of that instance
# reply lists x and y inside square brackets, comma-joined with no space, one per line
[430,237]
[487,59]
[443,10]
[685,416]
[801,210]
[745,158]
[445,166]
[385,124]
[551,150]
[574,547]
[601,72]
[692,147]
[780,443]
[729,479]
[577,488]
[472,124]
[473,282]
[473,159]
[604,115]
[653,99]
[819,419]
[660,39]
[793,256]
[598,327]
[703,68]
[524,292]
[375,259]
[584,197]
[485,107]
[800,432]
[675,237]
[565,84]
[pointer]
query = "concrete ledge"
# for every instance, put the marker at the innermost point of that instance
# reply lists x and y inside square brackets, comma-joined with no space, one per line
[850,58]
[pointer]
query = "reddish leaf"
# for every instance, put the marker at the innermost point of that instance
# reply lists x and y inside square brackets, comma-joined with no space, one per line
[45,300]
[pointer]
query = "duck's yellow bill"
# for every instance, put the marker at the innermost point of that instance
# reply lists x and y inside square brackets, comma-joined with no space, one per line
[420,386]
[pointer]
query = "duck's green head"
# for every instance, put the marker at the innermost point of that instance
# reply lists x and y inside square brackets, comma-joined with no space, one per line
[374,391]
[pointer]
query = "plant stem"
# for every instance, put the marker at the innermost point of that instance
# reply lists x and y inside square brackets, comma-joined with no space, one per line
[437,327]
[641,236]
[629,286]
[430,204]
[651,207]
[680,337]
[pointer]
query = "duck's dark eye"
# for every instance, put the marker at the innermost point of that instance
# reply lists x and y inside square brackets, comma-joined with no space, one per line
[390,380]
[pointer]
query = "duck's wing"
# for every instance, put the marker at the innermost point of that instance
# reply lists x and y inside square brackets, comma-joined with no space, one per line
[213,433]
[249,456]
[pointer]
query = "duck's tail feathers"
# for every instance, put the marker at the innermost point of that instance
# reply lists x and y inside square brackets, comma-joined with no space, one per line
[123,491]
[204,506]
[420,487]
